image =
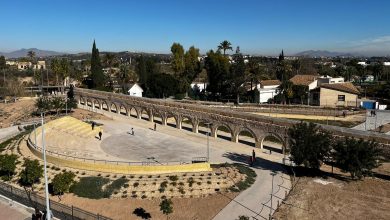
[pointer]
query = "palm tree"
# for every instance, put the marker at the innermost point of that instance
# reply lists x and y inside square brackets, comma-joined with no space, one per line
[109,61]
[225,45]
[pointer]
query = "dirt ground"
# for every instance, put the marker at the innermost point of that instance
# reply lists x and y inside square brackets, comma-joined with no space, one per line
[16,111]
[331,198]
[20,111]
[183,208]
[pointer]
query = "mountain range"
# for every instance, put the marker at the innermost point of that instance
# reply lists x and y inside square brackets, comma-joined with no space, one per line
[325,53]
[23,53]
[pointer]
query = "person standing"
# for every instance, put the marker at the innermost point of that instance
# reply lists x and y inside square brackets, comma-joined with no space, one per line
[100,135]
[254,155]
[155,126]
[93,125]
[132,131]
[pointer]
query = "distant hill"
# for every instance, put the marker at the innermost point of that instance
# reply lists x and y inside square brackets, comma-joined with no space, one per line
[324,53]
[23,53]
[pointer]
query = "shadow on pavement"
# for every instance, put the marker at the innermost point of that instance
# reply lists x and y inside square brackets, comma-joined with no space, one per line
[260,163]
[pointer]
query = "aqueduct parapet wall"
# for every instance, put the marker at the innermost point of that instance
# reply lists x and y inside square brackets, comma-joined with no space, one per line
[236,122]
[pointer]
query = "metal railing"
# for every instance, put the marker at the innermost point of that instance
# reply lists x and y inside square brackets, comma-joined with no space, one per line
[59,210]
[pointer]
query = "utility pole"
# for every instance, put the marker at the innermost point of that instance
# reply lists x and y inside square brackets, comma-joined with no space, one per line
[208,141]
[273,173]
[48,213]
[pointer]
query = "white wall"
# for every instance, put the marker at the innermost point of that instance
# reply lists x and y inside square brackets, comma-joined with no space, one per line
[266,94]
[313,85]
[135,91]
[201,86]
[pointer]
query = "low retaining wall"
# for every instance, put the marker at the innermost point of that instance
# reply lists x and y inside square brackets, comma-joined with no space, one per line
[120,168]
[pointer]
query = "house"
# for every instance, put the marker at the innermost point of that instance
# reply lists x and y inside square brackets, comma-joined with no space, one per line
[135,90]
[267,90]
[336,94]
[329,80]
[24,65]
[386,63]
[305,80]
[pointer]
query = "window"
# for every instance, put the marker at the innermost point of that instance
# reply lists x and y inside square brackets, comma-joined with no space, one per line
[341,98]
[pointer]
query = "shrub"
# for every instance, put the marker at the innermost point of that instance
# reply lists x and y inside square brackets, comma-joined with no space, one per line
[8,166]
[62,182]
[164,184]
[136,184]
[173,178]
[31,173]
[190,181]
[90,187]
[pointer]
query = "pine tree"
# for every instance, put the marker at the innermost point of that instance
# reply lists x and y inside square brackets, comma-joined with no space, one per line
[97,75]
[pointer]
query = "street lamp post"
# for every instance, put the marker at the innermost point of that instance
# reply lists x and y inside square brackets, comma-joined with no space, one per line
[273,173]
[208,141]
[48,214]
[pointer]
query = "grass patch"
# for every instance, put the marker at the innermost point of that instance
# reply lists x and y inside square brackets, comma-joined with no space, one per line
[92,187]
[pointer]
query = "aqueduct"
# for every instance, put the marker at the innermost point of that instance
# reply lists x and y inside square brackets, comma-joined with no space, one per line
[236,122]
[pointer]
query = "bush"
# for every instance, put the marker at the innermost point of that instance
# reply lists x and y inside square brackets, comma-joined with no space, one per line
[115,185]
[31,173]
[90,187]
[173,178]
[136,184]
[358,157]
[7,166]
[62,182]
[309,145]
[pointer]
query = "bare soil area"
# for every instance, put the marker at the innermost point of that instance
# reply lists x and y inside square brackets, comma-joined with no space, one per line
[183,208]
[14,112]
[331,198]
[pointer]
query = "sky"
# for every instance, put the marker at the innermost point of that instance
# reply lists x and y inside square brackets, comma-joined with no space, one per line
[258,26]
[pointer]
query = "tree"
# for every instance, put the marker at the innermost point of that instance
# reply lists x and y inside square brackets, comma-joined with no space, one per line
[31,173]
[217,67]
[237,77]
[192,64]
[141,70]
[358,157]
[109,60]
[2,63]
[309,144]
[166,207]
[8,165]
[71,101]
[55,66]
[97,76]
[225,45]
[178,57]
[57,103]
[62,182]
[31,55]
[43,104]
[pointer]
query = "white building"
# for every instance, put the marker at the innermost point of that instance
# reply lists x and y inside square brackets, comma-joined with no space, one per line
[267,90]
[329,80]
[386,63]
[202,86]
[22,65]
[363,63]
[135,90]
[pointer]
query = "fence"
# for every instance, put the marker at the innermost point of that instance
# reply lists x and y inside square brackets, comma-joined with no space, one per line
[59,210]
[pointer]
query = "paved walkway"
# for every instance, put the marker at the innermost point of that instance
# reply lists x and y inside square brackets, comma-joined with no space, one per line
[13,211]
[372,122]
[168,143]
[6,132]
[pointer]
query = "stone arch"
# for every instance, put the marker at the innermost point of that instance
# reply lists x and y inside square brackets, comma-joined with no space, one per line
[133,112]
[105,106]
[123,110]
[115,106]
[276,138]
[248,137]
[144,114]
[89,102]
[159,117]
[202,127]
[96,101]
[171,119]
[224,132]
[186,120]
[82,100]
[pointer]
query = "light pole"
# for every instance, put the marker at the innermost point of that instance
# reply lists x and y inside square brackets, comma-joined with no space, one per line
[208,141]
[66,106]
[273,173]
[48,217]
[35,136]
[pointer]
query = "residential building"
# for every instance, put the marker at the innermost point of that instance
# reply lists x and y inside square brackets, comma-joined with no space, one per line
[201,85]
[334,95]
[329,80]
[267,90]
[311,81]
[135,90]
[24,65]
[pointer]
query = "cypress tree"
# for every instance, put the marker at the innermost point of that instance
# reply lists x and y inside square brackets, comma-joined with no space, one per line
[97,75]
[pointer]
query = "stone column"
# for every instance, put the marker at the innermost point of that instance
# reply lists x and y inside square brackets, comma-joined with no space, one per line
[234,137]
[213,132]
[259,144]
[195,127]
[163,120]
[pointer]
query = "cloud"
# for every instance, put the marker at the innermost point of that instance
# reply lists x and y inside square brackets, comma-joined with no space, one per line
[379,46]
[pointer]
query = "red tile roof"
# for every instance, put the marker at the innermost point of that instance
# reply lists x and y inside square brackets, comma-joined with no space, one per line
[303,80]
[343,87]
